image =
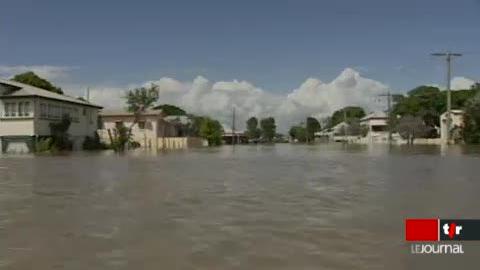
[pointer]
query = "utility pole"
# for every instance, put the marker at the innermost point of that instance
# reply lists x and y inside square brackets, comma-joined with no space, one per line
[389,111]
[88,94]
[448,56]
[345,125]
[306,130]
[233,126]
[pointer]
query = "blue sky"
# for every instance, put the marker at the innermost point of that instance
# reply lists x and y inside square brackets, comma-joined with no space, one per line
[275,45]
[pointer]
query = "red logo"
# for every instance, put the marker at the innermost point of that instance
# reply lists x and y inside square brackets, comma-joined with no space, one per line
[422,229]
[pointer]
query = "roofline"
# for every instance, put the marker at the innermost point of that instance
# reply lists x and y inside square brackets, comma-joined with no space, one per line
[20,86]
[127,114]
[55,99]
[374,118]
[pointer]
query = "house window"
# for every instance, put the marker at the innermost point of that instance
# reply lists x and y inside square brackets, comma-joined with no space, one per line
[50,111]
[43,110]
[90,115]
[141,124]
[10,109]
[58,112]
[7,109]
[20,109]
[26,108]
[67,112]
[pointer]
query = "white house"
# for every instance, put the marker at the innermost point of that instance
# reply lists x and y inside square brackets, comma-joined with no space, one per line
[377,124]
[335,133]
[457,122]
[26,113]
[153,129]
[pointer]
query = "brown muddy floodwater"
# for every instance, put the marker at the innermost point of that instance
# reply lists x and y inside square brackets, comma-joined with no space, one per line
[248,207]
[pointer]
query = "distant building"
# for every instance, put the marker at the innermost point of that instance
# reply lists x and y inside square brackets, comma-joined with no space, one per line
[377,124]
[457,123]
[27,111]
[335,133]
[237,137]
[182,124]
[152,129]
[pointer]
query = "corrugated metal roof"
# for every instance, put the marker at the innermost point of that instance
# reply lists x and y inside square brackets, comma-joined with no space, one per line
[28,90]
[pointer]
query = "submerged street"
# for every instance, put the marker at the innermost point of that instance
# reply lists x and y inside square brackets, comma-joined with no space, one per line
[244,207]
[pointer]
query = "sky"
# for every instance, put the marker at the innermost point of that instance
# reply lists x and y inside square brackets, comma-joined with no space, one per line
[294,53]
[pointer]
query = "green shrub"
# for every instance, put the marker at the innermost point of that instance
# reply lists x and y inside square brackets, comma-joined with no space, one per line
[44,145]
[60,135]
[93,143]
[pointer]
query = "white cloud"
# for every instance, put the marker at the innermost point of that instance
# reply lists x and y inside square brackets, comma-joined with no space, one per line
[217,99]
[459,83]
[44,71]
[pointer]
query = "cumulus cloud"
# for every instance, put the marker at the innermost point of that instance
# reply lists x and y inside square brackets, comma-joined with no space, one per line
[217,99]
[44,71]
[459,83]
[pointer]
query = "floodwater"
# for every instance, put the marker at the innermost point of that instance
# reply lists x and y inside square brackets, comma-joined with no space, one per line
[244,207]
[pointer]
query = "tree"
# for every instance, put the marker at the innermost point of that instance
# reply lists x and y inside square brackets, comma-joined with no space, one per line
[268,128]
[471,130]
[422,100]
[170,109]
[212,131]
[121,138]
[194,126]
[423,90]
[428,103]
[312,126]
[298,133]
[138,101]
[33,79]
[253,132]
[411,127]
[350,113]
[59,131]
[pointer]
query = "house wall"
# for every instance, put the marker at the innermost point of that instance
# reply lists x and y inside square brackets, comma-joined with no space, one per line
[145,136]
[37,122]
[457,120]
[156,134]
[16,125]
[84,118]
[169,143]
[375,122]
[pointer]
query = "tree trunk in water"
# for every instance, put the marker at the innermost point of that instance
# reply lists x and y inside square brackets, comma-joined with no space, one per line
[129,134]
[110,136]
